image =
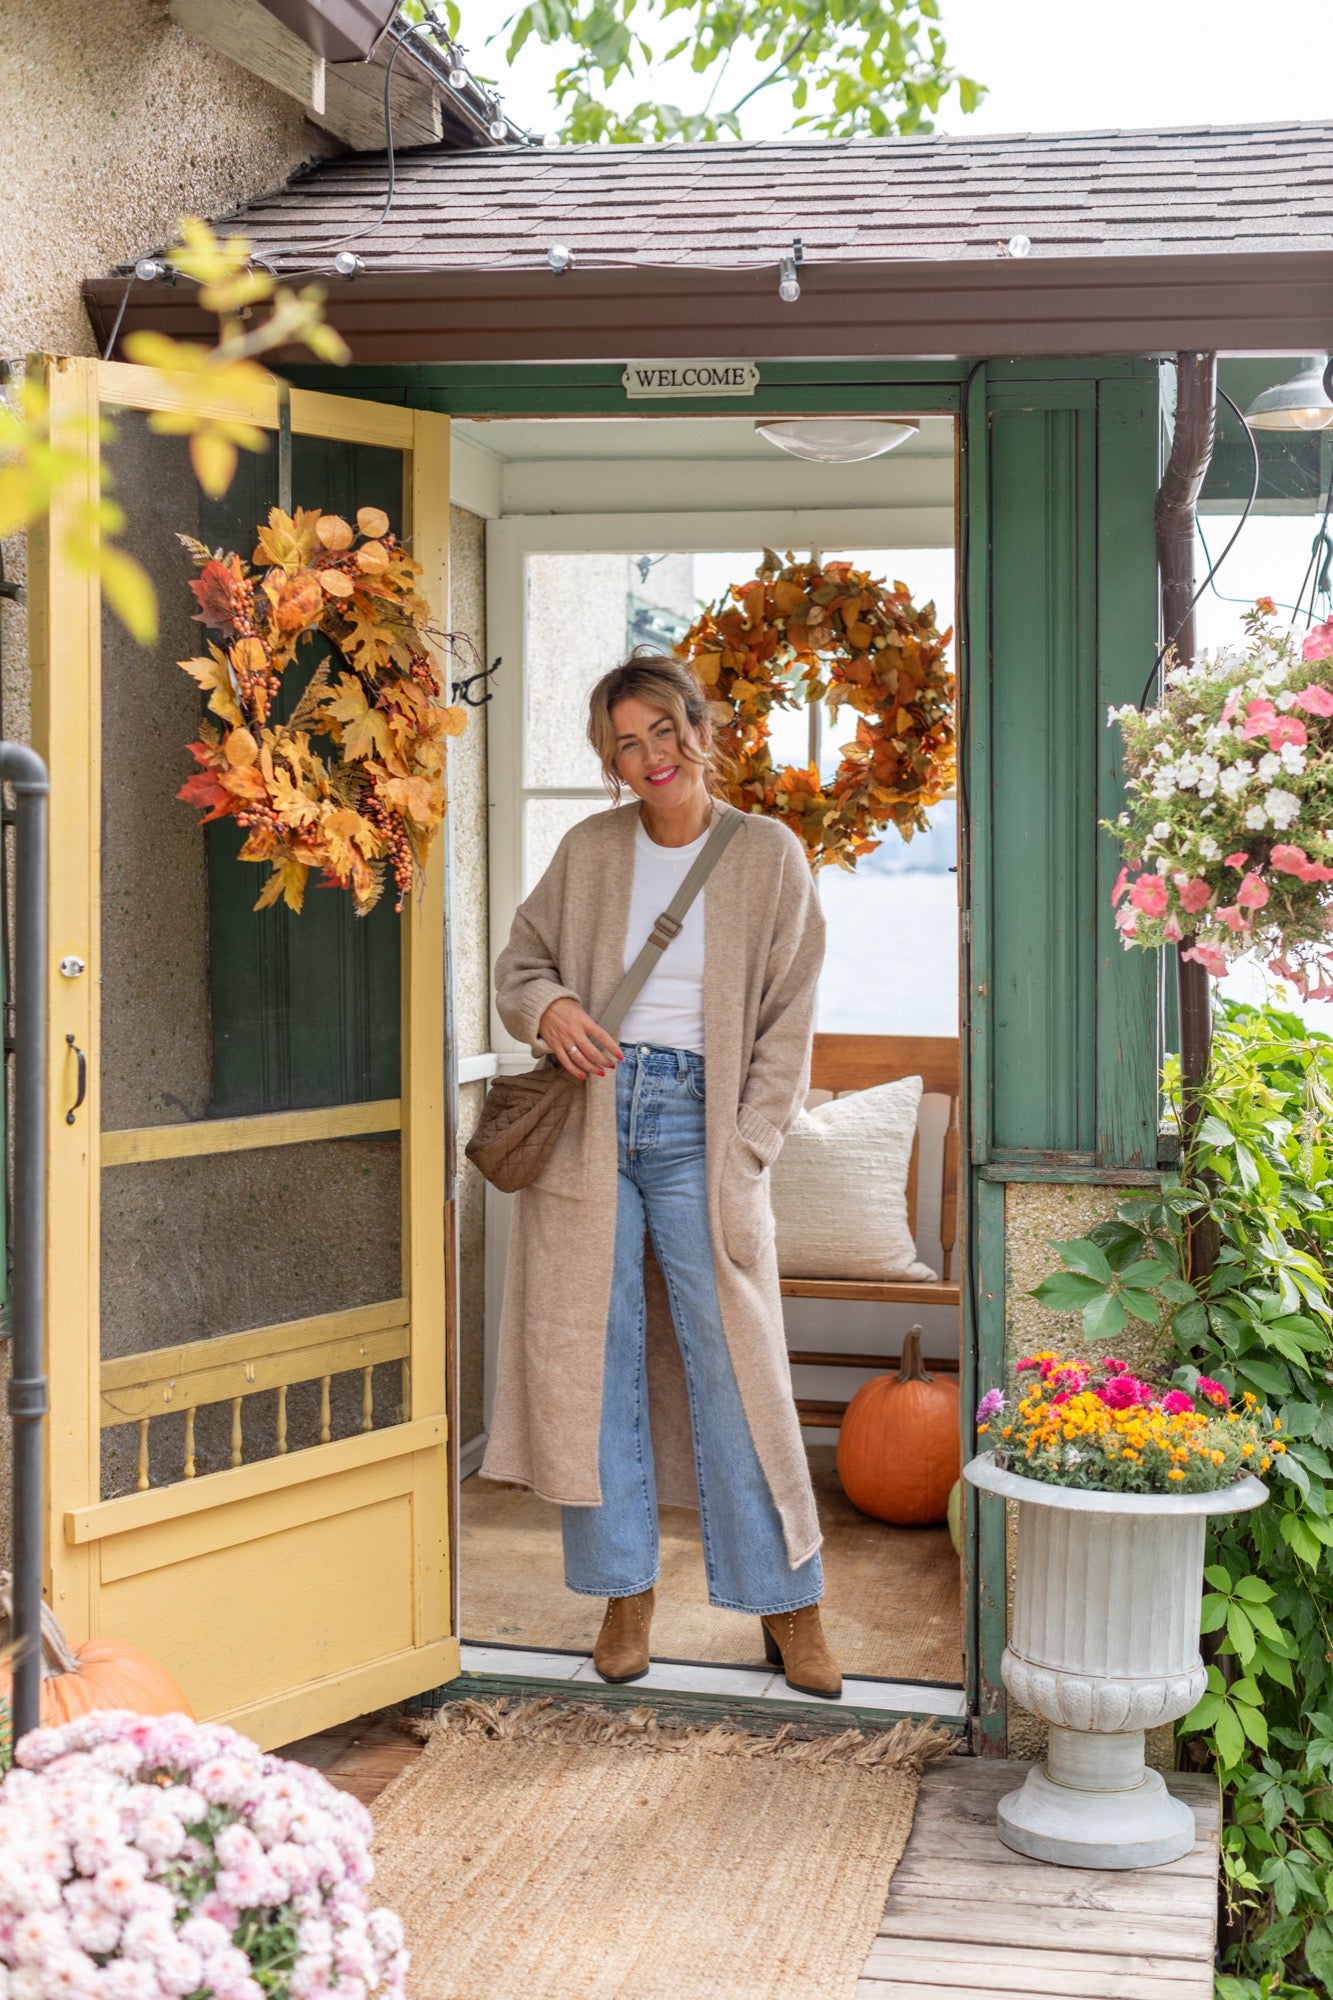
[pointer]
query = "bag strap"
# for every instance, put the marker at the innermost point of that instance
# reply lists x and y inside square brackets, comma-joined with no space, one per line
[668,924]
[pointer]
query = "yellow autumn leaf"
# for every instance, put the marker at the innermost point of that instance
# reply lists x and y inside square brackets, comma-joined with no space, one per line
[454,719]
[705,667]
[365,732]
[129,591]
[372,521]
[334,584]
[240,747]
[788,597]
[287,881]
[213,457]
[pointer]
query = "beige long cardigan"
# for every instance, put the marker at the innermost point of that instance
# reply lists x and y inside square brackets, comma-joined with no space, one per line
[763,947]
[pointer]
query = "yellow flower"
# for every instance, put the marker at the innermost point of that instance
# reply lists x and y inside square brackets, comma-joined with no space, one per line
[1175,1475]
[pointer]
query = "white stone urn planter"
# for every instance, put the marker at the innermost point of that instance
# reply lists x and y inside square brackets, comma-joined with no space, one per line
[1103,1644]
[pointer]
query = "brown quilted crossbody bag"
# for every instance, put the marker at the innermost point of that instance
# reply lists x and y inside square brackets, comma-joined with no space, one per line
[523,1115]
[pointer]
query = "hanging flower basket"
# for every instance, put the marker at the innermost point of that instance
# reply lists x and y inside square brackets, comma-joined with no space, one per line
[809,632]
[1228,834]
[352,782]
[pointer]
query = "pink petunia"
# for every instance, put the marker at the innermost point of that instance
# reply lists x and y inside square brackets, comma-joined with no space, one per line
[1148,894]
[1232,704]
[1315,700]
[1240,859]
[1121,885]
[1232,918]
[1176,1403]
[1253,892]
[1210,959]
[1287,730]
[1171,931]
[1260,717]
[1319,646]
[1289,860]
[1127,922]
[1195,894]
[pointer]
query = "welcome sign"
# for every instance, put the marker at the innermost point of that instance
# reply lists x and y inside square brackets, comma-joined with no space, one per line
[689,378]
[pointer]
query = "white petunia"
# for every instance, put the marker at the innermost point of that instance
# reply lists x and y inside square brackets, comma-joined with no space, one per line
[1293,759]
[1268,767]
[1256,817]
[1283,808]
[1208,847]
[1235,778]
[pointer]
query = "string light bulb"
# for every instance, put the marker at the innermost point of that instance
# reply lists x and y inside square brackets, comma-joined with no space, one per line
[560,256]
[789,285]
[148,269]
[347,264]
[1019,246]
[497,128]
[458,77]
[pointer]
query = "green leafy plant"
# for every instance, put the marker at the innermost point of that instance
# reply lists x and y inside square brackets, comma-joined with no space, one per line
[846,66]
[1258,1169]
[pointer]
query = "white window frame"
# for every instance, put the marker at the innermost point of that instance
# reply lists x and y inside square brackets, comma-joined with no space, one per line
[509,542]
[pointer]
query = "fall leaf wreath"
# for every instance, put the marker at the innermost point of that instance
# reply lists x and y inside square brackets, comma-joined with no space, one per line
[352,783]
[805,632]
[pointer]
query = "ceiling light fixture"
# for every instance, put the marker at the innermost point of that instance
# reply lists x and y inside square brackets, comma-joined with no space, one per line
[1304,402]
[837,440]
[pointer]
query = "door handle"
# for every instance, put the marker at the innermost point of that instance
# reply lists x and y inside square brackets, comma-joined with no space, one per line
[82,1060]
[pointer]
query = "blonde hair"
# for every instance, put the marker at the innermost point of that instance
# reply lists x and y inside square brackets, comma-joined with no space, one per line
[667,684]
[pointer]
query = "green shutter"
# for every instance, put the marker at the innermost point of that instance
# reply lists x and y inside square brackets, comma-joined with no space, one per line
[1061,499]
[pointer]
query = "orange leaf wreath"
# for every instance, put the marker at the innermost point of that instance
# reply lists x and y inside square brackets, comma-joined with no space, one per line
[353,782]
[806,632]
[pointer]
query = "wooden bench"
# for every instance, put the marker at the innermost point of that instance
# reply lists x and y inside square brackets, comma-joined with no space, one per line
[856,1062]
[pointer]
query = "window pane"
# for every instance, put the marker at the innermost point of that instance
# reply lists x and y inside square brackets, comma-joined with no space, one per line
[584,612]
[891,961]
[545,824]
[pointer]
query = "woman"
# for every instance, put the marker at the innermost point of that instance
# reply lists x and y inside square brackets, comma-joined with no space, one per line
[597,1404]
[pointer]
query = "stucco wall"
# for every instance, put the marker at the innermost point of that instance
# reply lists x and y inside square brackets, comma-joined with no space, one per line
[116,122]
[1035,1216]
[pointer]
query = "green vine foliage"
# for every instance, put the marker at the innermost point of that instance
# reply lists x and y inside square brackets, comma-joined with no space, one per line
[1259,1171]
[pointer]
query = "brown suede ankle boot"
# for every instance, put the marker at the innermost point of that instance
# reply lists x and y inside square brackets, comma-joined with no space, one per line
[794,1641]
[621,1652]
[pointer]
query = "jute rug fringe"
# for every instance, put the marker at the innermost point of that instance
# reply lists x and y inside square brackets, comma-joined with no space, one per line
[907,1746]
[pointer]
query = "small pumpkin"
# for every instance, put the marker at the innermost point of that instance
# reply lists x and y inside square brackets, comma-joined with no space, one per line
[102,1673]
[899,1450]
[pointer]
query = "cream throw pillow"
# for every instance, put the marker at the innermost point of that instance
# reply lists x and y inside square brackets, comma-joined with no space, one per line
[839,1187]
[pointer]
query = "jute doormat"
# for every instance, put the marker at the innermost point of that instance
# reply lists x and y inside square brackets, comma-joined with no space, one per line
[544,1853]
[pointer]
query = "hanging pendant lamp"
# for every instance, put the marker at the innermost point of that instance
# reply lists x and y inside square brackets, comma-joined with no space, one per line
[837,440]
[1303,403]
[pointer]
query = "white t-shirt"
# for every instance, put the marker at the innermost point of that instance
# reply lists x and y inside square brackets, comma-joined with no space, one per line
[669,1010]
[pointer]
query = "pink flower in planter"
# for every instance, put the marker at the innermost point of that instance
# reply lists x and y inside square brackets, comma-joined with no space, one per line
[1112,1366]
[1212,1390]
[1232,917]
[1232,704]
[1177,1404]
[1121,885]
[1260,717]
[1319,646]
[990,1405]
[1125,1392]
[1148,894]
[1210,959]
[1315,700]
[1238,860]
[1253,892]
[1127,923]
[1171,931]
[1194,893]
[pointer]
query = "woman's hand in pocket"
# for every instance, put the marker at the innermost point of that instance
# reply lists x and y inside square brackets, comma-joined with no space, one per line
[576,1040]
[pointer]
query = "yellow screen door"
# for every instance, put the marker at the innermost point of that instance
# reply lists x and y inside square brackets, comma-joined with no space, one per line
[246,1284]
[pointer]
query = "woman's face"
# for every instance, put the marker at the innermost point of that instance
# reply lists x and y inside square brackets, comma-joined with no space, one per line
[649,758]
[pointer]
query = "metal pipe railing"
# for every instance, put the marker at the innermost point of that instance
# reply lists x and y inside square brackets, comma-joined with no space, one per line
[27,1382]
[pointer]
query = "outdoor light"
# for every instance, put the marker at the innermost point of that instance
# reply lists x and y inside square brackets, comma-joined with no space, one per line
[1019,246]
[347,263]
[149,268]
[458,78]
[560,256]
[789,285]
[497,128]
[837,440]
[1302,403]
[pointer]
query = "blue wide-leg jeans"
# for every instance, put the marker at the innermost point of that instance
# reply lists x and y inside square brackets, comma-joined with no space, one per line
[612,1550]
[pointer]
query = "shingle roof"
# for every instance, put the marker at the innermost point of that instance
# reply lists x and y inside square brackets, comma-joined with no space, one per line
[1080,194]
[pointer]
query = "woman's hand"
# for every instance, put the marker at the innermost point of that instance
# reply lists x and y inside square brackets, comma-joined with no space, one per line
[576,1041]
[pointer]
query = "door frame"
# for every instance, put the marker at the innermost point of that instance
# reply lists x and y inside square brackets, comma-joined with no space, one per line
[256,1503]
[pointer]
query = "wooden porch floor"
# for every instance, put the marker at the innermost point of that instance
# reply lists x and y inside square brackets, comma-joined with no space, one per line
[966,1919]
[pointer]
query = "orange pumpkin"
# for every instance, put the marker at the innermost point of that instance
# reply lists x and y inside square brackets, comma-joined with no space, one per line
[899,1450]
[102,1673]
